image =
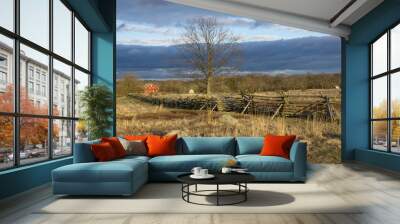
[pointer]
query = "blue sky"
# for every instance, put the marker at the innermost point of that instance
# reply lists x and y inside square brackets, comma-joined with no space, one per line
[160,23]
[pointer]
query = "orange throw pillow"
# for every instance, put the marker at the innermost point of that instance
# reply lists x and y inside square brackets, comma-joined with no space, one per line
[277,145]
[135,137]
[161,145]
[116,145]
[103,152]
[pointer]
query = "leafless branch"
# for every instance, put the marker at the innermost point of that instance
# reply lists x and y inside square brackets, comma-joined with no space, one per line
[209,47]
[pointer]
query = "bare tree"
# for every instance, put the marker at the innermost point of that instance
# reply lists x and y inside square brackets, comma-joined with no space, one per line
[210,48]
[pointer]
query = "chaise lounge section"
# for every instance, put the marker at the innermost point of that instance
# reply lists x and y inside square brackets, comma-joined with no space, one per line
[88,177]
[125,176]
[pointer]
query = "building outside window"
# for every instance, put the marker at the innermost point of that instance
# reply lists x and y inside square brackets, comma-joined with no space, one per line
[3,78]
[3,71]
[38,89]
[37,74]
[30,72]
[3,61]
[55,97]
[30,87]
[43,90]
[43,77]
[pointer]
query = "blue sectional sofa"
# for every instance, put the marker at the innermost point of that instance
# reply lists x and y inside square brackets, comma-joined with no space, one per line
[125,176]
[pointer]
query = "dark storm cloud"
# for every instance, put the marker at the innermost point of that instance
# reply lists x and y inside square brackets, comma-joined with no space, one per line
[310,54]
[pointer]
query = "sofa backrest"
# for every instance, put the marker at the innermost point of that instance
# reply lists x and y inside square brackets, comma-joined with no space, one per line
[249,145]
[190,146]
[206,145]
[83,152]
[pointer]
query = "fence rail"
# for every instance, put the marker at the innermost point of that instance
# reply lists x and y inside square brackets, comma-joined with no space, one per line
[321,104]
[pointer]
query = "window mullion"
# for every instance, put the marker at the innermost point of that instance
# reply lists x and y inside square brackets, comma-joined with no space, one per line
[73,81]
[371,140]
[16,85]
[389,106]
[50,81]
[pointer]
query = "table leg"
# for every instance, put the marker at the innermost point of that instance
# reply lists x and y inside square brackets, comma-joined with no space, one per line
[182,190]
[195,188]
[188,190]
[217,194]
[245,193]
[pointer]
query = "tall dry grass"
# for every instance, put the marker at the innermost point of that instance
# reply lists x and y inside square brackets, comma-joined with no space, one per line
[135,117]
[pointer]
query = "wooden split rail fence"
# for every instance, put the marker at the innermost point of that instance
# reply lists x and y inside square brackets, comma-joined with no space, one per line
[286,104]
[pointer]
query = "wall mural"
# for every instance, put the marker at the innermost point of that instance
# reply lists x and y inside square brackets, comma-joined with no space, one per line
[212,74]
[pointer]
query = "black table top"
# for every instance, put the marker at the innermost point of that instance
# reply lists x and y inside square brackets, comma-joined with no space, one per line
[220,178]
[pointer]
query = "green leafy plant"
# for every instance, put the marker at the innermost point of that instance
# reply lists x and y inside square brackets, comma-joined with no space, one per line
[97,103]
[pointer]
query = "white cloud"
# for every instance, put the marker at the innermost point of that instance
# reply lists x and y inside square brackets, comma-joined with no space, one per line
[236,21]
[300,32]
[260,37]
[149,42]
[146,28]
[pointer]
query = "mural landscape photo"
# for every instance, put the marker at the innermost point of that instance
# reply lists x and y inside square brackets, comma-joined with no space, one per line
[195,72]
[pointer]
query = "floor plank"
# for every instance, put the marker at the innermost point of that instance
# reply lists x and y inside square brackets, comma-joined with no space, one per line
[377,190]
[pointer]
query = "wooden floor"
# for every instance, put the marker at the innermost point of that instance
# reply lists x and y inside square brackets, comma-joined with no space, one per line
[379,189]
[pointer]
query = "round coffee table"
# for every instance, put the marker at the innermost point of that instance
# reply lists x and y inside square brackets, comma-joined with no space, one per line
[238,179]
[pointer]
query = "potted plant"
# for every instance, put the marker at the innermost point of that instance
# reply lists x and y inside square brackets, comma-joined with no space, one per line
[96,102]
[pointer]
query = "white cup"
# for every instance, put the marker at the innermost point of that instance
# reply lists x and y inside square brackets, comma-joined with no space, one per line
[203,172]
[226,170]
[196,171]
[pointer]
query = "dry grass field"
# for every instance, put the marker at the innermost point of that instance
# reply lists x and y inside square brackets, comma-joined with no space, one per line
[136,117]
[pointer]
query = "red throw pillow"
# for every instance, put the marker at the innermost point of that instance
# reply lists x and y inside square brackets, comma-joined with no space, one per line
[103,151]
[161,145]
[116,145]
[277,145]
[136,137]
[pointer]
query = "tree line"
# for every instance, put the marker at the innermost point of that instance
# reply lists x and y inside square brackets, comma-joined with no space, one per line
[252,83]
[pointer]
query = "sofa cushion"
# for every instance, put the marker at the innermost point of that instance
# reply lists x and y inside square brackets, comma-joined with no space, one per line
[249,145]
[185,163]
[132,158]
[112,171]
[257,163]
[206,145]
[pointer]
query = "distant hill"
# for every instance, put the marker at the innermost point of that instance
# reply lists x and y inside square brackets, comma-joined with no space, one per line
[292,56]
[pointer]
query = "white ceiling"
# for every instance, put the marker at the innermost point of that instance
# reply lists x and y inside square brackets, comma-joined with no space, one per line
[325,16]
[321,9]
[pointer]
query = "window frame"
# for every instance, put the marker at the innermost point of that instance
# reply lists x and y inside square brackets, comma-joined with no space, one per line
[388,74]
[16,114]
